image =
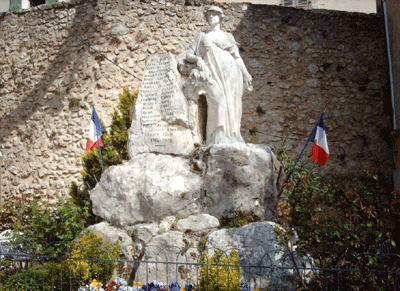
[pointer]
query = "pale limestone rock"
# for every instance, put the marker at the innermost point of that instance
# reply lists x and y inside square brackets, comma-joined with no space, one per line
[160,115]
[166,224]
[221,180]
[146,189]
[257,246]
[113,234]
[173,246]
[145,232]
[119,29]
[240,178]
[198,223]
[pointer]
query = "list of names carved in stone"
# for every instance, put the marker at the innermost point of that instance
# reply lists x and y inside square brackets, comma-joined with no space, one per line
[156,90]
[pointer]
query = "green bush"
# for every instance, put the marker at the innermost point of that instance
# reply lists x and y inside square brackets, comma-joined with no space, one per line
[221,272]
[11,210]
[90,247]
[46,228]
[336,218]
[28,279]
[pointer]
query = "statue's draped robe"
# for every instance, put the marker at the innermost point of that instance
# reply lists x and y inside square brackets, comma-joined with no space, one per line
[223,88]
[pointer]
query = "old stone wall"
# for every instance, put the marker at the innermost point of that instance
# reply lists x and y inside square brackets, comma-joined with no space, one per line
[57,61]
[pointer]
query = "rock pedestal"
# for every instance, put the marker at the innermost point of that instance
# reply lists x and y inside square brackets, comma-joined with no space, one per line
[271,263]
[221,180]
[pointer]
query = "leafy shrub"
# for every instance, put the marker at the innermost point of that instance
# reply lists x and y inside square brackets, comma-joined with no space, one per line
[11,210]
[340,218]
[29,279]
[87,248]
[46,228]
[220,278]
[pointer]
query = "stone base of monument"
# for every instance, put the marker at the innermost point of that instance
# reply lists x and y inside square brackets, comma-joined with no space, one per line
[221,180]
[167,203]
[172,252]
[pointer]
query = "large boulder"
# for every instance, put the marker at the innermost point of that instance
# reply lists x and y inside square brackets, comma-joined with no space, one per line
[198,224]
[112,234]
[168,257]
[148,188]
[221,180]
[266,263]
[240,178]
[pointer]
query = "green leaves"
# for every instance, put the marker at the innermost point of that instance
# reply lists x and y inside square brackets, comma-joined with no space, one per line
[345,218]
[220,272]
[49,228]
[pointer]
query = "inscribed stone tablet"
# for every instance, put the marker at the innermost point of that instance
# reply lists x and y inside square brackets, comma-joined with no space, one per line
[160,115]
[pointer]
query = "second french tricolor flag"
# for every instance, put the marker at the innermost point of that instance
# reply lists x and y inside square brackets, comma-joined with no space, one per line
[95,132]
[320,151]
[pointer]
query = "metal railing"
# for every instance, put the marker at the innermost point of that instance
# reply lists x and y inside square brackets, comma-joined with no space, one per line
[23,270]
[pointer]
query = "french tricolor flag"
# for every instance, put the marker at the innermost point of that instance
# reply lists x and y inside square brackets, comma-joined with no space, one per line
[95,132]
[320,151]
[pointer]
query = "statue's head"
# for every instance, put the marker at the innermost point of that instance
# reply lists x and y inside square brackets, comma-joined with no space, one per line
[214,10]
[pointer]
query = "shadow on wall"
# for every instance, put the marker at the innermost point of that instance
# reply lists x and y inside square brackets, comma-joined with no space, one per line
[70,54]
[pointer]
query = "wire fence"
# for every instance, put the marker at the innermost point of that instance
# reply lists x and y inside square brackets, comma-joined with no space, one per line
[210,270]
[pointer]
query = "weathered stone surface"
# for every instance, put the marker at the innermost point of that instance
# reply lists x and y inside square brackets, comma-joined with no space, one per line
[240,178]
[166,224]
[198,223]
[160,115]
[145,232]
[173,246]
[113,234]
[257,246]
[119,29]
[229,179]
[146,189]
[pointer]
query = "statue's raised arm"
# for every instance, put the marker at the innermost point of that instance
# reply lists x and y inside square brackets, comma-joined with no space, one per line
[220,75]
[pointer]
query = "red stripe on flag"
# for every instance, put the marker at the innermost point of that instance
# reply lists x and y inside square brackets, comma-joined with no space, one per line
[318,154]
[90,144]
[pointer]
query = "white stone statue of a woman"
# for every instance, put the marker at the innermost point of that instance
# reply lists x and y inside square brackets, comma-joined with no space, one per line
[220,75]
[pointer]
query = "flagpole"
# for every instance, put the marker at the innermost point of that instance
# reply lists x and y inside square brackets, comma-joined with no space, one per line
[299,157]
[292,170]
[101,157]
